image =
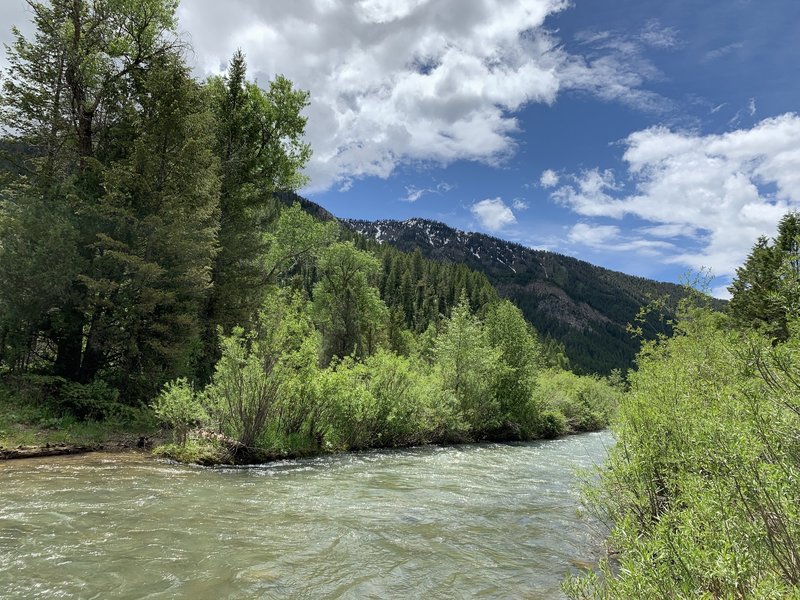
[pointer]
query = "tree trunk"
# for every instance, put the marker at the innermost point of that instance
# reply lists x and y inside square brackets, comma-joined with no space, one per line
[93,355]
[70,345]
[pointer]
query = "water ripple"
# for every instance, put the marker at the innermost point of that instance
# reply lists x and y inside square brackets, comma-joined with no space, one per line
[481,521]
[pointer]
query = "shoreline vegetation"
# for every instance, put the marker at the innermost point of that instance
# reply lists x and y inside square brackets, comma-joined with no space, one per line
[700,492]
[30,428]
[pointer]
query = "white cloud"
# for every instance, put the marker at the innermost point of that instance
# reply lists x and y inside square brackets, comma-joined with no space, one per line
[493,214]
[609,238]
[414,193]
[593,235]
[398,81]
[751,107]
[548,179]
[723,190]
[655,35]
[615,66]
[717,53]
[519,204]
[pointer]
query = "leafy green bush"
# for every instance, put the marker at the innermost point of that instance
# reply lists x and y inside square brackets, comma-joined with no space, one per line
[95,401]
[586,402]
[259,370]
[552,424]
[701,489]
[178,407]
[388,400]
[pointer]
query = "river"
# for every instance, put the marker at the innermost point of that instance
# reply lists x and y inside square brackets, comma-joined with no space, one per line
[474,521]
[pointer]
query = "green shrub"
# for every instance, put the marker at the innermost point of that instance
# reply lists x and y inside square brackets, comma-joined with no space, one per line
[701,488]
[178,407]
[552,424]
[586,402]
[96,401]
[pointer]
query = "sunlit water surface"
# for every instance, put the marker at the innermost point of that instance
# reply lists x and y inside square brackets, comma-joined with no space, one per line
[480,521]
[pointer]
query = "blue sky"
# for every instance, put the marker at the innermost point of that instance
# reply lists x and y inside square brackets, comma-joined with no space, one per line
[645,136]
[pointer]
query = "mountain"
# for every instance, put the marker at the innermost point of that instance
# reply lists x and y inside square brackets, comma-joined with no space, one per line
[583,306]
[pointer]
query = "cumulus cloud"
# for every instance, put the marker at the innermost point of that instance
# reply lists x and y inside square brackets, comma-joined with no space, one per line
[493,214]
[519,204]
[400,81]
[548,179]
[721,190]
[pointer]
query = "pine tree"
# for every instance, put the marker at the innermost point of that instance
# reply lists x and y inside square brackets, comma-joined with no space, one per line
[259,144]
[755,301]
[118,164]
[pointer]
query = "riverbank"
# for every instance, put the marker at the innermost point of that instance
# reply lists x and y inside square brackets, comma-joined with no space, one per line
[30,429]
[202,448]
[33,425]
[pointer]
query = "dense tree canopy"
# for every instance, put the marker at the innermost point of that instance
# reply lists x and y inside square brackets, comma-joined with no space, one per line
[756,301]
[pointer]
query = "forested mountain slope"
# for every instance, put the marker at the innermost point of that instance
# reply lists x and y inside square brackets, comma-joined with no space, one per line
[585,307]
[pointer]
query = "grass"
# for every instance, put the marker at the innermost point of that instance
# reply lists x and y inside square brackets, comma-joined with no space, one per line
[26,421]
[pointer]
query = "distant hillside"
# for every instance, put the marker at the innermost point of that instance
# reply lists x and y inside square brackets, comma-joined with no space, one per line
[585,307]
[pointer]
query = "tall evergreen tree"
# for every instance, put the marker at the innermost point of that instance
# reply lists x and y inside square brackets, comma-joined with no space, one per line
[117,141]
[755,302]
[259,143]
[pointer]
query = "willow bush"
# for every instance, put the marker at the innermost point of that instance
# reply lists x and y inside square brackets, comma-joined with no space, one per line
[702,489]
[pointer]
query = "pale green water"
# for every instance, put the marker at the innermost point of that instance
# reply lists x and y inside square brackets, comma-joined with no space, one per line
[486,521]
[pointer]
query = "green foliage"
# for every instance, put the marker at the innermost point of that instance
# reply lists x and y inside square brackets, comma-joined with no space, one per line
[260,148]
[520,359]
[178,407]
[702,485]
[388,400]
[552,424]
[471,369]
[756,298]
[255,367]
[347,306]
[295,243]
[119,157]
[587,403]
[29,416]
[95,401]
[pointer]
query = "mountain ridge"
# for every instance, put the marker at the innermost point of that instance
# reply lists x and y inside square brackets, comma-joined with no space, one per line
[586,307]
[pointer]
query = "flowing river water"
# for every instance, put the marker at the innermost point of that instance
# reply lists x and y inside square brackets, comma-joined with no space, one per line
[475,521]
